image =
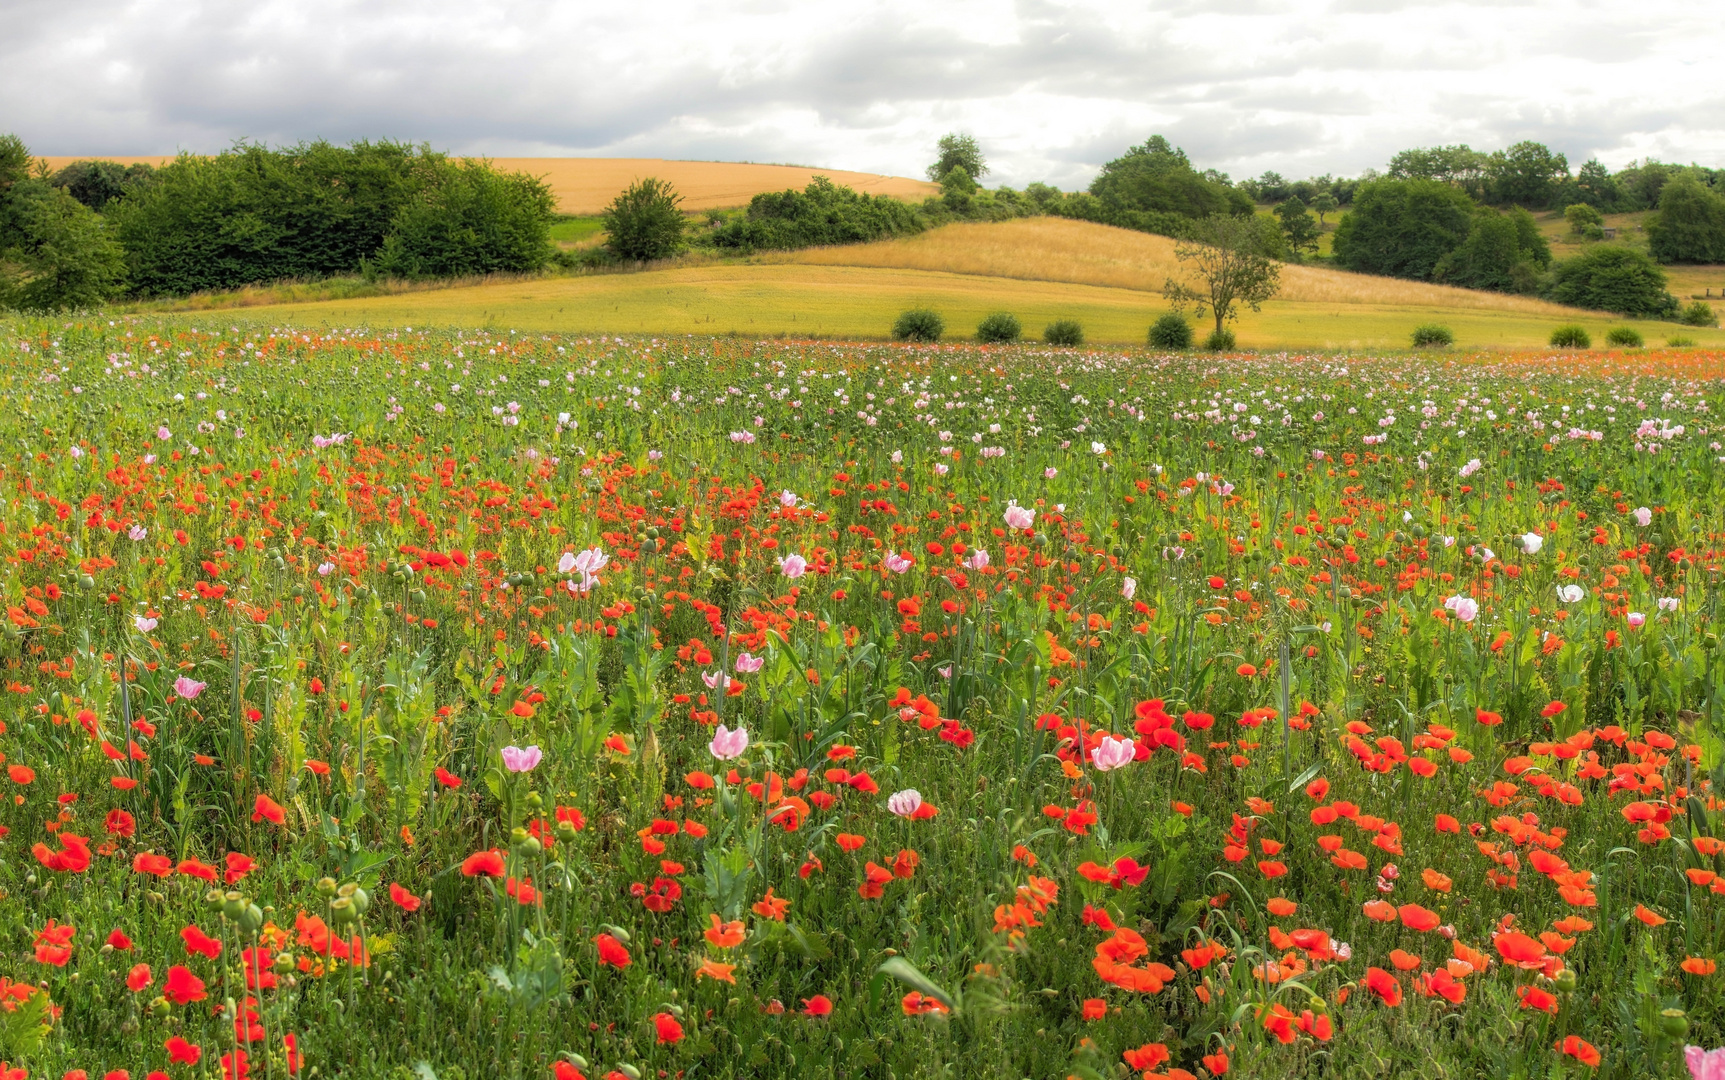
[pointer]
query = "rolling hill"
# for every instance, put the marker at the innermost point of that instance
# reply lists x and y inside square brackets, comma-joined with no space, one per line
[586,185]
[1040,269]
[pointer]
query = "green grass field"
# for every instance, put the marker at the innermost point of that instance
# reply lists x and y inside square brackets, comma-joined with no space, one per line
[861,302]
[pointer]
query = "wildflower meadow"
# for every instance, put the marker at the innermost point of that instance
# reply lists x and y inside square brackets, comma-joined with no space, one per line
[434,704]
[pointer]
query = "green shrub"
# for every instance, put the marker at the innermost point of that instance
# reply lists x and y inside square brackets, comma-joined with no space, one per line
[1571,336]
[1171,331]
[821,214]
[1064,332]
[1609,277]
[1220,340]
[1680,341]
[1690,225]
[471,220]
[316,210]
[1700,313]
[643,222]
[55,253]
[919,324]
[1432,335]
[1403,228]
[1001,327]
[1624,337]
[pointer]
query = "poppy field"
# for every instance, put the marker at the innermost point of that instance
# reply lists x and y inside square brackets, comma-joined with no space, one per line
[450,704]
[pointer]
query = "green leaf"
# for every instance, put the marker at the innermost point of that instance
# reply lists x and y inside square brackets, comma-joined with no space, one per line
[906,972]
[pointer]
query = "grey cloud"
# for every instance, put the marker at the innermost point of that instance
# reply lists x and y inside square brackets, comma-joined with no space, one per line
[1336,92]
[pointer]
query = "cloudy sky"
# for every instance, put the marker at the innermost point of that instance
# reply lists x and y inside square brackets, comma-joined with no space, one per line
[1052,88]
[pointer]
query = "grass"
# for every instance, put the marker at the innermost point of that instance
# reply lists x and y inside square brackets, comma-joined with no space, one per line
[575,231]
[1038,269]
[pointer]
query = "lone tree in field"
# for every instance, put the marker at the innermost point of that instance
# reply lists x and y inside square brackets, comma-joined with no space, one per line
[644,223]
[1228,259]
[959,151]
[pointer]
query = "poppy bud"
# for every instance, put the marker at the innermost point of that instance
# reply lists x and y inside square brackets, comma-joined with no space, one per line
[1674,1023]
[251,920]
[576,1060]
[630,1071]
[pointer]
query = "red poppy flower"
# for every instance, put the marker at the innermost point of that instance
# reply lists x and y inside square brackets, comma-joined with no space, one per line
[182,1052]
[818,1006]
[666,1027]
[611,951]
[182,987]
[267,809]
[404,900]
[488,863]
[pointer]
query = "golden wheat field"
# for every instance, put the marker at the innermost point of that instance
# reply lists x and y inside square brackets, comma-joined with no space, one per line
[1059,249]
[586,185]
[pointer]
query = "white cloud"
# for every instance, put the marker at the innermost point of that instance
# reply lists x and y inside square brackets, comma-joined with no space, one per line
[1051,88]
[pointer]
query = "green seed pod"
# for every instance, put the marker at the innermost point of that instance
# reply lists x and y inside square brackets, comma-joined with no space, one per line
[326,886]
[251,920]
[1674,1023]
[1566,980]
[233,904]
[284,963]
[342,911]
[214,899]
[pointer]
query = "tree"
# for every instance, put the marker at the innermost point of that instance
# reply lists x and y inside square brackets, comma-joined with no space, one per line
[1690,225]
[1458,165]
[1403,228]
[1608,277]
[1226,254]
[1597,187]
[1526,174]
[55,253]
[1584,221]
[643,222]
[957,151]
[98,183]
[1502,252]
[254,214]
[472,220]
[1323,203]
[823,213]
[1299,227]
[1158,178]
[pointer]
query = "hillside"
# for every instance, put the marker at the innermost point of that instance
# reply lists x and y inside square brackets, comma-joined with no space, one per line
[1040,269]
[586,185]
[1058,249]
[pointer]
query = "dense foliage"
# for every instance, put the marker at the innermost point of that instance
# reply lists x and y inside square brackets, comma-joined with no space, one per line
[55,253]
[643,222]
[822,213]
[98,183]
[493,705]
[254,214]
[1403,228]
[1690,225]
[1611,278]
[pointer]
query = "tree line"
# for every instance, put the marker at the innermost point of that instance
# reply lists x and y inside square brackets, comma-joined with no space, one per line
[97,231]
